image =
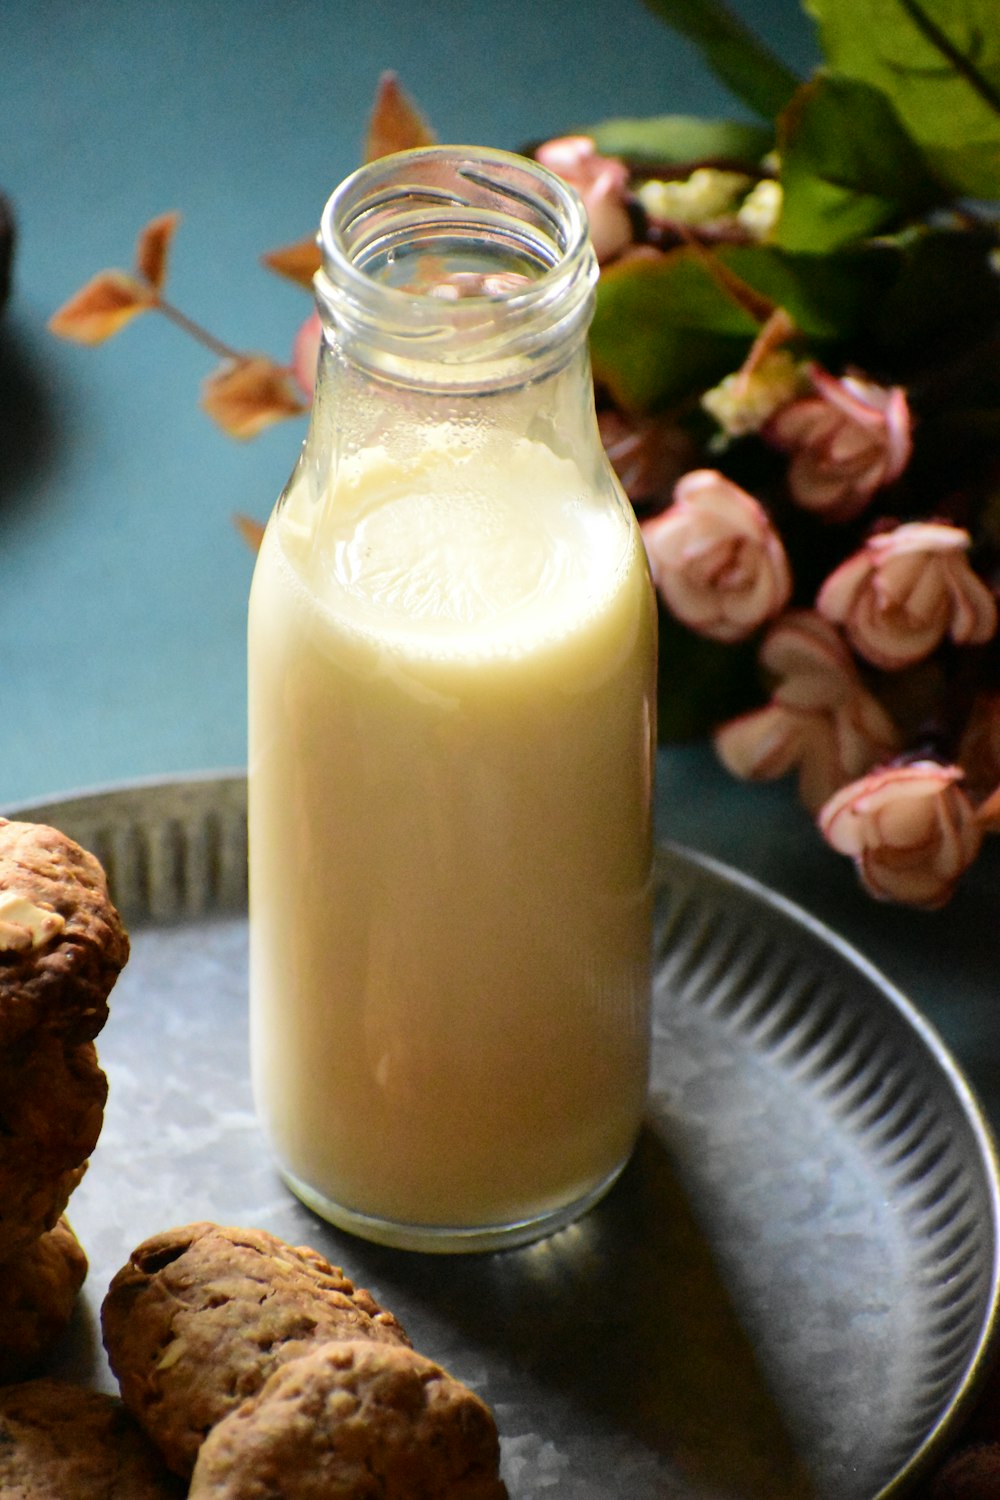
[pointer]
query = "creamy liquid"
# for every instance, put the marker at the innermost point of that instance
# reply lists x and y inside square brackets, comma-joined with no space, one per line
[451,703]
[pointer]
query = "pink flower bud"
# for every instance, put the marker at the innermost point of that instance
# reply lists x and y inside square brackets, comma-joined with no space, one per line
[911,831]
[820,719]
[649,454]
[715,558]
[305,353]
[602,183]
[905,591]
[847,441]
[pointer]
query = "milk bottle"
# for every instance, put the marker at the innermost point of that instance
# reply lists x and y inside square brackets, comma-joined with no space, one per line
[452,644]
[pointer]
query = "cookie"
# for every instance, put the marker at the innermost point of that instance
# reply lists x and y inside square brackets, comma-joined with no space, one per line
[355,1421]
[62,1442]
[51,1110]
[62,943]
[38,1290]
[202,1315]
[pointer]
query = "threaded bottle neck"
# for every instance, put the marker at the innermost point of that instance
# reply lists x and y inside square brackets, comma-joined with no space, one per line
[456,268]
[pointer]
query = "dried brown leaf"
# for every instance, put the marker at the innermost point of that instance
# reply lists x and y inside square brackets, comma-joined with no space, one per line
[299,262]
[102,307]
[395,123]
[246,395]
[152,246]
[250,530]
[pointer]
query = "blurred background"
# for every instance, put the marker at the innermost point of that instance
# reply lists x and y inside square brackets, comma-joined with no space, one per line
[123,582]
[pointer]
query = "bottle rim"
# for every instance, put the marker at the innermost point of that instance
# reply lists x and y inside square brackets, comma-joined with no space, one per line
[443,260]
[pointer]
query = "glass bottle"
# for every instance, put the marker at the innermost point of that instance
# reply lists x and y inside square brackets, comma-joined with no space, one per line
[452,684]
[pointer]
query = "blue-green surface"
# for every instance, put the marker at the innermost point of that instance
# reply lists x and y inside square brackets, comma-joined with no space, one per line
[122,581]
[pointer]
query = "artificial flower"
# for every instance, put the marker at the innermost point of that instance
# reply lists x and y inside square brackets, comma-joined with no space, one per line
[760,210]
[305,353]
[745,401]
[905,591]
[846,441]
[706,195]
[910,829]
[821,720]
[248,394]
[768,379]
[716,559]
[602,183]
[649,454]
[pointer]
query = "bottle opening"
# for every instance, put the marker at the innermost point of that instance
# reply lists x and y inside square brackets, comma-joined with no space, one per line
[452,256]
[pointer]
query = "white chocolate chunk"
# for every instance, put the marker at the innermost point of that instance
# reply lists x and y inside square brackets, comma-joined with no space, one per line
[24,925]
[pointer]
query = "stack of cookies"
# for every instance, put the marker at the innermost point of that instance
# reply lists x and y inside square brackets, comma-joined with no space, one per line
[260,1372]
[249,1369]
[62,946]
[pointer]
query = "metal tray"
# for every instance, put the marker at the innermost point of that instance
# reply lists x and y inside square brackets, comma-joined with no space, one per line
[788,1293]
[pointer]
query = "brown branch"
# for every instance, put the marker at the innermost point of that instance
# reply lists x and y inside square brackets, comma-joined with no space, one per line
[197,331]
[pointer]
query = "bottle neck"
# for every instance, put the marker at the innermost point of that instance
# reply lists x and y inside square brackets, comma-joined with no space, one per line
[456,271]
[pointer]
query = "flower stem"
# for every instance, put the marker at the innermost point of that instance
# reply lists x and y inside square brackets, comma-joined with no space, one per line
[197,332]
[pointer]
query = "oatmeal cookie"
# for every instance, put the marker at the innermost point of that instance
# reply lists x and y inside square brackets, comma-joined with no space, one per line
[62,943]
[51,1110]
[201,1316]
[38,1289]
[62,1442]
[355,1421]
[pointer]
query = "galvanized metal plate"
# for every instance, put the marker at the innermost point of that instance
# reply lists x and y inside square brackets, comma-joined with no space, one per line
[788,1293]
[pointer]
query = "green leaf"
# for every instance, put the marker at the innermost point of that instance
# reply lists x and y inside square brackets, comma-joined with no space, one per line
[848,168]
[737,57]
[665,330]
[938,61]
[681,140]
[829,297]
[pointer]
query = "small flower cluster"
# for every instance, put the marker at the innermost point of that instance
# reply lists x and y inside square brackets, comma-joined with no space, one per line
[909,801]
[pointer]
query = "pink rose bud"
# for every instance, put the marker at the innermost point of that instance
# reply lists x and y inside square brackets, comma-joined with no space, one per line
[649,454]
[602,183]
[847,441]
[910,830]
[820,720]
[905,591]
[305,353]
[715,558]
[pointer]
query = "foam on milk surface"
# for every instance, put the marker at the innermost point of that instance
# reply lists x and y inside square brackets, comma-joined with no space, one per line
[503,545]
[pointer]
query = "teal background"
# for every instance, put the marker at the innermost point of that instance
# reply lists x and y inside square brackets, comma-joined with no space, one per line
[123,582]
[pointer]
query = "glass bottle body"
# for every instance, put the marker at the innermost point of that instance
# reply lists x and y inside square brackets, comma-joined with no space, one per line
[452,669]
